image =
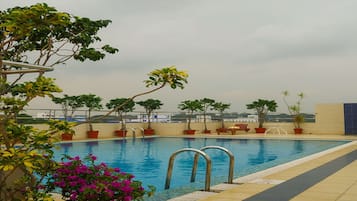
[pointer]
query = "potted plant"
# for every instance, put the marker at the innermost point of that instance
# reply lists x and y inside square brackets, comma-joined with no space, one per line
[206,104]
[158,78]
[69,105]
[190,106]
[262,107]
[91,102]
[295,111]
[64,126]
[126,105]
[150,105]
[221,107]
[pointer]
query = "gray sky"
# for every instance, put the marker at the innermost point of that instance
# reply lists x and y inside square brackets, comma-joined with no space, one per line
[235,51]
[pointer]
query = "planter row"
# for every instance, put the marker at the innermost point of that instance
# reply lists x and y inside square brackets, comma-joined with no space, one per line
[225,130]
[262,130]
[148,132]
[94,134]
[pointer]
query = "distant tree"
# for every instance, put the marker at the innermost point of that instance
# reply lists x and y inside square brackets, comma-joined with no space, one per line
[150,105]
[127,107]
[91,102]
[69,105]
[28,119]
[221,107]
[190,106]
[262,107]
[207,104]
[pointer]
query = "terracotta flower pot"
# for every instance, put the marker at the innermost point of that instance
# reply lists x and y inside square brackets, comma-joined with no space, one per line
[66,136]
[260,130]
[93,134]
[189,132]
[149,131]
[221,130]
[298,131]
[120,133]
[206,131]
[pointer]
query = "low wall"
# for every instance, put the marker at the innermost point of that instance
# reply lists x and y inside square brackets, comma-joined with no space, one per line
[106,130]
[329,119]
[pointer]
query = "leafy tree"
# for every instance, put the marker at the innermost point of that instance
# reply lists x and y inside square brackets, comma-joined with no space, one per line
[207,103]
[37,34]
[221,107]
[190,106]
[35,155]
[159,78]
[69,105]
[51,36]
[127,107]
[150,105]
[262,107]
[91,102]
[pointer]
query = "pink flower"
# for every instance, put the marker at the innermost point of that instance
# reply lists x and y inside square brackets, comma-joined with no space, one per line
[109,192]
[92,157]
[87,181]
[72,183]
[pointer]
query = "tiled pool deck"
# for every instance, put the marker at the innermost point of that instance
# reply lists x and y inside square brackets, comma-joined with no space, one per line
[340,185]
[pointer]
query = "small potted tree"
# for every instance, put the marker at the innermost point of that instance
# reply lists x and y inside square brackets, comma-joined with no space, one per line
[207,104]
[126,105]
[221,107]
[262,107]
[91,102]
[295,111]
[64,126]
[69,105]
[150,105]
[190,106]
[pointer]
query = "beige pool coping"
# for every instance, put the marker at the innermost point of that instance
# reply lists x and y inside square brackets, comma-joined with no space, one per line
[340,186]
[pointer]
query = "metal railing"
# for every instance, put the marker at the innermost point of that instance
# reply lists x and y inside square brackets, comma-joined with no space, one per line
[159,116]
[201,152]
[208,166]
[231,163]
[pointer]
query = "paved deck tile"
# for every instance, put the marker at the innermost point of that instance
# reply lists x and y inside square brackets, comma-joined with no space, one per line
[340,186]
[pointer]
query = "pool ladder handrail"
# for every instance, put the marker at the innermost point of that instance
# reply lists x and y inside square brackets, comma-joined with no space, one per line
[142,131]
[276,130]
[134,129]
[231,163]
[208,166]
[195,163]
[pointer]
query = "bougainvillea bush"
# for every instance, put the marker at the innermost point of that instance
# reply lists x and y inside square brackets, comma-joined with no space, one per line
[85,180]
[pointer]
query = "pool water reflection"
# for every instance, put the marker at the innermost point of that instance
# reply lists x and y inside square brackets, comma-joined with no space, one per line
[147,158]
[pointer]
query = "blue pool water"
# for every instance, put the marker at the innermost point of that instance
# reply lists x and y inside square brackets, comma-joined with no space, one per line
[147,158]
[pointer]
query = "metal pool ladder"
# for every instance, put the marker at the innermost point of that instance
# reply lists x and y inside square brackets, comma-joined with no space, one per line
[195,162]
[134,129]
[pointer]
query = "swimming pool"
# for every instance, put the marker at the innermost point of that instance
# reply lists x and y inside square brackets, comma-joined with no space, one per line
[147,158]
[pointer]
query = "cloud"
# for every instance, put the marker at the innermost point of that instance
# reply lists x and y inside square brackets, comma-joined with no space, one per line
[235,51]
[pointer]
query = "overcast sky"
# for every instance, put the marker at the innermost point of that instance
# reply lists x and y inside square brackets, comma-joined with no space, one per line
[235,51]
